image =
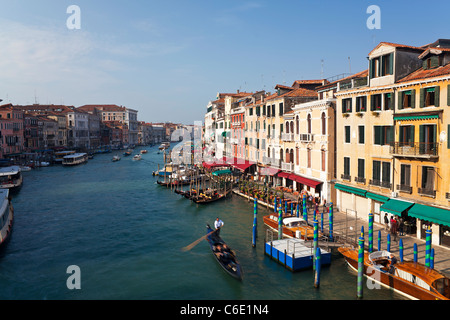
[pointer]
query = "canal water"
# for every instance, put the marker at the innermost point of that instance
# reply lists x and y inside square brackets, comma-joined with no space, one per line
[126,234]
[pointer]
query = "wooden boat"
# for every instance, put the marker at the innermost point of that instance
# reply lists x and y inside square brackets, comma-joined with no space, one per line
[204,198]
[293,227]
[223,254]
[75,159]
[10,178]
[6,216]
[411,279]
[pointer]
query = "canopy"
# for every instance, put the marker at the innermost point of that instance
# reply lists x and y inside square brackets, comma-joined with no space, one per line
[308,182]
[343,187]
[432,214]
[377,197]
[283,175]
[222,172]
[269,171]
[240,164]
[396,207]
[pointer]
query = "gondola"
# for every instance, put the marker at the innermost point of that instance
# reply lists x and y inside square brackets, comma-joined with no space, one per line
[223,254]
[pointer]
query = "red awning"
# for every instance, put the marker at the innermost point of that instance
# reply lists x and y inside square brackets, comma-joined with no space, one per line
[240,164]
[209,165]
[269,171]
[309,182]
[283,175]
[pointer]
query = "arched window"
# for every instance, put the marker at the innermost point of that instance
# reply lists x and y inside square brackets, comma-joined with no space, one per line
[309,123]
[287,127]
[268,152]
[281,155]
[297,156]
[292,126]
[287,156]
[324,123]
[297,125]
[291,156]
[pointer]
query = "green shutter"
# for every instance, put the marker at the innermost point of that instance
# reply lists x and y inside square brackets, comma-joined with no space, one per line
[421,133]
[448,94]
[377,134]
[422,98]
[437,94]
[370,69]
[411,128]
[448,136]
[434,62]
[400,100]
[391,63]
[425,64]
[413,98]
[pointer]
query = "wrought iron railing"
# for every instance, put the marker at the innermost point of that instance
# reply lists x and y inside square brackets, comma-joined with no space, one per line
[414,148]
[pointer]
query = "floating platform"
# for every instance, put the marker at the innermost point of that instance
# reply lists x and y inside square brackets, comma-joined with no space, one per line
[294,254]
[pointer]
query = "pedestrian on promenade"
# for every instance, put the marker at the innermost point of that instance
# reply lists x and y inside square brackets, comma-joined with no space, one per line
[386,221]
[394,229]
[401,227]
[324,205]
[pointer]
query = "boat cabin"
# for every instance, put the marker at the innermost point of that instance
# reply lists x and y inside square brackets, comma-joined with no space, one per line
[10,177]
[75,159]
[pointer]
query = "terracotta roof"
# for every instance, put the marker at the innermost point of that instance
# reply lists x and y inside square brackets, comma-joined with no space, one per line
[397,45]
[425,74]
[102,107]
[433,50]
[301,92]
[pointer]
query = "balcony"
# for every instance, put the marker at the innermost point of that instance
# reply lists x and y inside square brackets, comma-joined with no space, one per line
[414,149]
[276,163]
[287,166]
[306,137]
[379,183]
[404,188]
[287,136]
[346,177]
[427,192]
[360,180]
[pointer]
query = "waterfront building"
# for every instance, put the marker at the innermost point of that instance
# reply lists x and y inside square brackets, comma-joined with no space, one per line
[12,130]
[61,135]
[78,129]
[212,110]
[49,132]
[32,132]
[392,136]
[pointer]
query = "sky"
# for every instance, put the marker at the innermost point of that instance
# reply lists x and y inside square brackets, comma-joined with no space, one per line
[168,59]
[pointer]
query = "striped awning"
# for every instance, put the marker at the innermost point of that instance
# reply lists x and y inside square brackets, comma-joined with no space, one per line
[421,117]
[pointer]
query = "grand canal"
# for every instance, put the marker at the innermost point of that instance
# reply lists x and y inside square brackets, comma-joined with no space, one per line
[125,233]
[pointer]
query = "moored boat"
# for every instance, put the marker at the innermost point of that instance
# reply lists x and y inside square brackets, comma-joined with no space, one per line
[203,198]
[6,216]
[10,178]
[61,154]
[411,279]
[293,227]
[75,159]
[223,254]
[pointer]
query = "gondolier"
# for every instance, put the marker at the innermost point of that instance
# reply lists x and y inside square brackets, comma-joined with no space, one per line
[218,224]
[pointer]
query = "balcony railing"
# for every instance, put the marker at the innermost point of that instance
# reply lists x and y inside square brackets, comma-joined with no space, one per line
[404,188]
[272,162]
[306,137]
[414,149]
[379,183]
[346,177]
[427,192]
[287,137]
[287,166]
[360,179]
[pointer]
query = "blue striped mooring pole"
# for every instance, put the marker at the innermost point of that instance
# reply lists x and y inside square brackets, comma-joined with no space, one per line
[432,259]
[415,252]
[298,210]
[280,224]
[305,212]
[400,249]
[379,240]
[330,220]
[370,232]
[318,267]
[427,247]
[255,221]
[359,290]
[388,242]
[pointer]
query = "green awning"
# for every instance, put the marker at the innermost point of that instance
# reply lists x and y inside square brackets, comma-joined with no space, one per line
[221,172]
[423,117]
[396,207]
[376,197]
[432,214]
[349,189]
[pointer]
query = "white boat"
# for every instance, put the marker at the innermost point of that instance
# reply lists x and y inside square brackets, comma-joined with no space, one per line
[75,159]
[115,158]
[6,215]
[61,154]
[25,168]
[10,177]
[137,157]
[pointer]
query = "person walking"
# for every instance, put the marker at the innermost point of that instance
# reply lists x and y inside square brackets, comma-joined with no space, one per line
[394,229]
[386,221]
[218,224]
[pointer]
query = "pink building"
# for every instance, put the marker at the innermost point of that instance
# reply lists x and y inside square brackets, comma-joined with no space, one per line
[11,129]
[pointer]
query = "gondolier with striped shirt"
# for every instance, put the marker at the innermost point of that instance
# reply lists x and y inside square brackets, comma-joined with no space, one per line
[218,224]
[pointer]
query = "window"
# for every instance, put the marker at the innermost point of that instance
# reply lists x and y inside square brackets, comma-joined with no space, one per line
[361,134]
[376,173]
[281,107]
[346,174]
[297,155]
[361,170]
[250,111]
[324,124]
[297,125]
[429,97]
[405,177]
[346,105]
[361,103]
[381,66]
[347,134]
[323,155]
[383,135]
[428,176]
[375,102]
[427,139]
[388,101]
[407,99]
[406,135]
[309,123]
[386,175]
[309,158]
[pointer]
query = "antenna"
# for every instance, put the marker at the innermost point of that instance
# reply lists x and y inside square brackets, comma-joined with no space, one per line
[321,69]
[349,65]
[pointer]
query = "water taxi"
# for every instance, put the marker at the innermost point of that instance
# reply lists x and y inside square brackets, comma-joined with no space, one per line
[411,279]
[6,216]
[75,159]
[164,145]
[143,151]
[137,157]
[293,227]
[10,177]
[61,154]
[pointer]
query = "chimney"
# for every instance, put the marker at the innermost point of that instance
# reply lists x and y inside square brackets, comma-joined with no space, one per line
[237,90]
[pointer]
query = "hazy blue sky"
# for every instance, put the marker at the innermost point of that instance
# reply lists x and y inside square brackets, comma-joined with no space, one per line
[167,59]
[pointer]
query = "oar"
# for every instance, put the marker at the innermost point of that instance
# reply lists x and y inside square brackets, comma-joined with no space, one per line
[196,242]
